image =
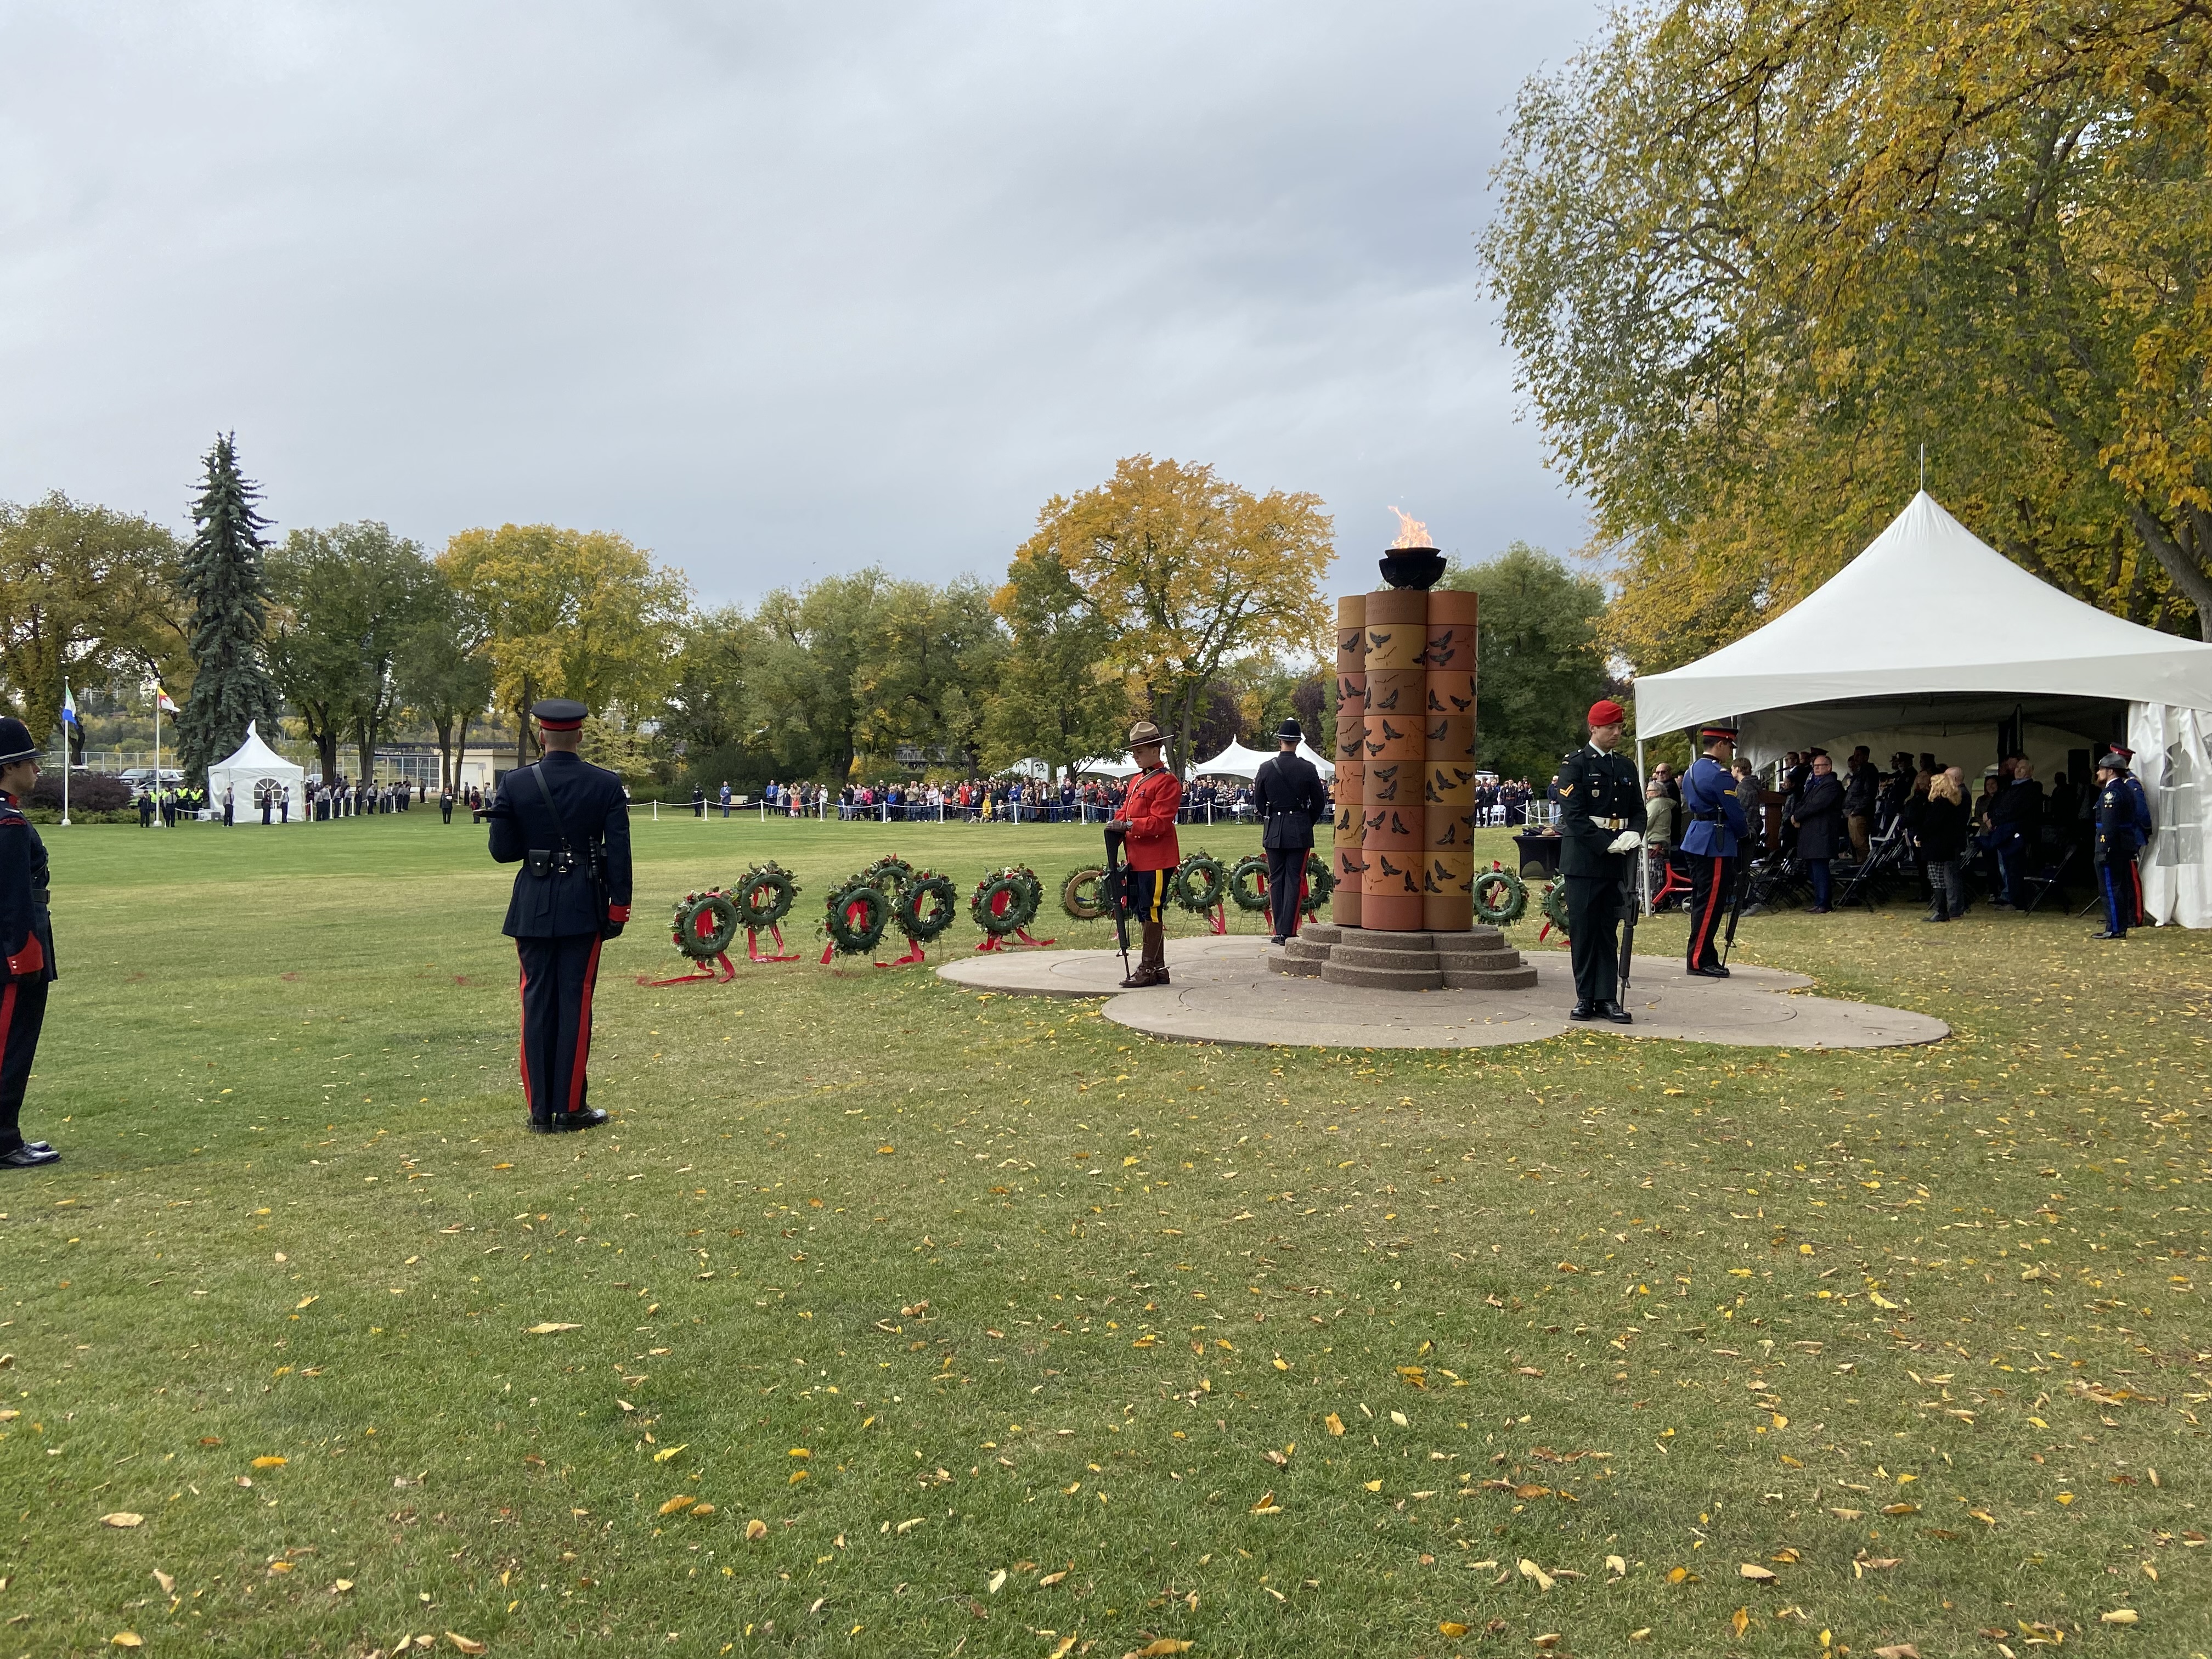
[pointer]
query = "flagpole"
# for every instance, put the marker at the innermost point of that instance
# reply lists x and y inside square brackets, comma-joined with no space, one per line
[65,757]
[156,782]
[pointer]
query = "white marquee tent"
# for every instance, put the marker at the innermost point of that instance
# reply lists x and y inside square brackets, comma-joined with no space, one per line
[1238,762]
[1930,640]
[254,770]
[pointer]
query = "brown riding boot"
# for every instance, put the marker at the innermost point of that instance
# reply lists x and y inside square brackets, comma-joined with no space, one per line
[1152,966]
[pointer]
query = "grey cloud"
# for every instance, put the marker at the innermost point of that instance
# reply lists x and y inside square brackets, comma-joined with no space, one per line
[774,290]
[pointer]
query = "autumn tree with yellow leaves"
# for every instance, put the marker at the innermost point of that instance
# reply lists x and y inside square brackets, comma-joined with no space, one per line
[568,613]
[1753,254]
[1184,572]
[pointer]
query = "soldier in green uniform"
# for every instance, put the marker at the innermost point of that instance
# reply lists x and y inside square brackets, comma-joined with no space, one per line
[1601,827]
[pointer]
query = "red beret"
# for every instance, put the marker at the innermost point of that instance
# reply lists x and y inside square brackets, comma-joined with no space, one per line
[1606,712]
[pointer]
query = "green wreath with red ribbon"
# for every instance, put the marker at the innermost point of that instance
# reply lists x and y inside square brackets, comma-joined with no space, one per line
[1007,901]
[856,914]
[705,924]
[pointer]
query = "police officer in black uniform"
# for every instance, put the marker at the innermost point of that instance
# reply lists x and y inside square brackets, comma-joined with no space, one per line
[26,940]
[568,823]
[1601,828]
[1287,792]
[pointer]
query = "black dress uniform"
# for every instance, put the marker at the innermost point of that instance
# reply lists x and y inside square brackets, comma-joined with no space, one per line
[572,893]
[26,940]
[1599,798]
[1286,790]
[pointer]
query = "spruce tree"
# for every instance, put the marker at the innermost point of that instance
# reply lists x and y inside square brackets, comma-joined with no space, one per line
[225,581]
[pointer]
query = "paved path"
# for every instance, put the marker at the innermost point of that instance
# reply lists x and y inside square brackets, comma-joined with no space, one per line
[1225,992]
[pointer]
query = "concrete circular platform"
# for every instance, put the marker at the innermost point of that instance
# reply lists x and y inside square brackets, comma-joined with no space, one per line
[1225,991]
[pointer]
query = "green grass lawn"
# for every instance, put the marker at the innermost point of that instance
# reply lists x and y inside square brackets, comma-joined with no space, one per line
[1017,1334]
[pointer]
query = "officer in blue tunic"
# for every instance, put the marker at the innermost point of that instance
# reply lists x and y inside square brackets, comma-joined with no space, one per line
[567,823]
[2122,819]
[1712,842]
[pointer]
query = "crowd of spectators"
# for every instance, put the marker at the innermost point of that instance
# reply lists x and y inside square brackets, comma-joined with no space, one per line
[972,800]
[1917,815]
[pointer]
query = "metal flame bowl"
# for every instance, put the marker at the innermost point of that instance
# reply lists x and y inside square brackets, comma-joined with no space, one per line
[1412,567]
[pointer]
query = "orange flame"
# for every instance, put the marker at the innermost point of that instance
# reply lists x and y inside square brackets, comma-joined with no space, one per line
[1412,532]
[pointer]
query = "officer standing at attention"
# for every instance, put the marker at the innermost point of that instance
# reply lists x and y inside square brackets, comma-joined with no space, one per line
[568,823]
[27,938]
[1147,818]
[1600,824]
[1712,843]
[2123,821]
[1286,789]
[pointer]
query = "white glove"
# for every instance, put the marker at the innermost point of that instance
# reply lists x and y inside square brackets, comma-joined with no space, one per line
[1626,841]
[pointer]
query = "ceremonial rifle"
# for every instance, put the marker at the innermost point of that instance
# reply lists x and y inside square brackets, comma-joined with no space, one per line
[1635,903]
[1736,904]
[1117,881]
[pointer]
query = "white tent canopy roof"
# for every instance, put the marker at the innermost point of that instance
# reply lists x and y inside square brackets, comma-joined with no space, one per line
[1928,610]
[254,763]
[1238,762]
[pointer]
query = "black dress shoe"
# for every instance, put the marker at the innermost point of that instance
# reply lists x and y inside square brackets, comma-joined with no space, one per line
[563,1122]
[1583,1010]
[1618,1015]
[2108,933]
[1714,971]
[28,1157]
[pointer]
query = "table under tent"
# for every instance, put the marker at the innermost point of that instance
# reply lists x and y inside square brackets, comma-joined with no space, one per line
[1932,641]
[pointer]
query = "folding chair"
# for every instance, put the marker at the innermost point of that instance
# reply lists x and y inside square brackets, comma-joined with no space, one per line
[1674,881]
[2051,877]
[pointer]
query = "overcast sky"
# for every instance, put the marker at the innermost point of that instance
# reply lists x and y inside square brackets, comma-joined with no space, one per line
[774,290]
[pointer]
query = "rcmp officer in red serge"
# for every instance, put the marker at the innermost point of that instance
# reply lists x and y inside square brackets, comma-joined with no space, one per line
[1148,820]
[1287,790]
[27,938]
[1712,843]
[1601,825]
[568,823]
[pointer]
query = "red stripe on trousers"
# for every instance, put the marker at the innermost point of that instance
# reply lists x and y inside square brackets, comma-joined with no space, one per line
[1712,908]
[2135,880]
[583,1030]
[522,1049]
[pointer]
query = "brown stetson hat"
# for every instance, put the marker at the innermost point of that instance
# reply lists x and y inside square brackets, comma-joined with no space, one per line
[1143,734]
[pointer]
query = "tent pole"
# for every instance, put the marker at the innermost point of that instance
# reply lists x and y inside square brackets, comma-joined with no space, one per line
[1642,864]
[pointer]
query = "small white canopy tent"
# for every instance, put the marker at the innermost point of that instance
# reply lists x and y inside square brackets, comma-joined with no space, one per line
[1123,767]
[1932,634]
[1238,762]
[255,771]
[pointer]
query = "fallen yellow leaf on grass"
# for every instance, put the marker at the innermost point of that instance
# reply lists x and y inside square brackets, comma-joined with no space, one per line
[1617,1565]
[1451,1627]
[754,1531]
[122,1518]
[2120,1616]
[1267,1505]
[268,1463]
[1757,1575]
[502,1166]
[1372,1485]
[681,1501]
[1641,1635]
[1881,1300]
[1335,1423]
[163,1579]
[126,1638]
[668,1452]
[1898,1650]
[1531,1570]
[550,1328]
[1066,1643]
[1161,1649]
[1739,1621]
[1052,1578]
[702,1509]
[1900,1509]
[341,1586]
[305,1301]
[1399,1417]
[467,1644]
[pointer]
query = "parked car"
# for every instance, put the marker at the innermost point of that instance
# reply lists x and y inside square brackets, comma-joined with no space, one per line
[139,776]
